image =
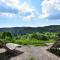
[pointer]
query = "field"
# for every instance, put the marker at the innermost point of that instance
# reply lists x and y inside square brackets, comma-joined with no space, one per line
[34,42]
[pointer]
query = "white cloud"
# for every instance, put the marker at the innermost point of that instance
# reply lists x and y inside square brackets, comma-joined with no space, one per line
[22,8]
[49,7]
[11,3]
[7,14]
[25,7]
[30,17]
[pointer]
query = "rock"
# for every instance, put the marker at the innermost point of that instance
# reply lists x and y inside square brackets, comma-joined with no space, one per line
[12,46]
[56,44]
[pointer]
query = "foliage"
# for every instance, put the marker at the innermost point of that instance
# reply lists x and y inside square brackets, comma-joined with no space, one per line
[34,42]
[24,30]
[6,37]
[28,39]
[55,51]
[30,42]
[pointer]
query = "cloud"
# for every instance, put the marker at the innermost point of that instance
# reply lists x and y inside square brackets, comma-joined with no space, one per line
[25,10]
[9,7]
[6,9]
[50,9]
[11,3]
[55,15]
[29,17]
[26,7]
[7,14]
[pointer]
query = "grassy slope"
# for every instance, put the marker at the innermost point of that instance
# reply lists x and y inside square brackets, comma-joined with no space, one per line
[34,42]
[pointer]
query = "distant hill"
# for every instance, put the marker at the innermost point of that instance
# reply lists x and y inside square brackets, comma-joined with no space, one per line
[24,30]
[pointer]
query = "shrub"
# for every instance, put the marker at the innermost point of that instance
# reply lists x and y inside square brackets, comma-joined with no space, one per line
[43,37]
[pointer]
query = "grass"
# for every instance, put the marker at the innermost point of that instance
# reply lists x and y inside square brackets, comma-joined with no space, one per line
[34,42]
[31,58]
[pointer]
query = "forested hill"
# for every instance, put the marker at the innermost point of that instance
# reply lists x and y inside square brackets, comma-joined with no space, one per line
[24,30]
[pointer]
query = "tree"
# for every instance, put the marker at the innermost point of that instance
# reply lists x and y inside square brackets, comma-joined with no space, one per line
[34,35]
[7,36]
[43,37]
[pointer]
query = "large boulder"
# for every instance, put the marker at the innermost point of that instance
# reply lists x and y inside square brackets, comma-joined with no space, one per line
[12,46]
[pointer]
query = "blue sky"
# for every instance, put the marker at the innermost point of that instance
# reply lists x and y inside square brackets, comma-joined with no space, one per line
[36,13]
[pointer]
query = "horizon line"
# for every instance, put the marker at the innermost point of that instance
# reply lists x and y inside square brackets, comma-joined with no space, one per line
[26,26]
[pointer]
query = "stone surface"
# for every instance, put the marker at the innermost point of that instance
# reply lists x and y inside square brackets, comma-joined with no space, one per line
[12,46]
[38,53]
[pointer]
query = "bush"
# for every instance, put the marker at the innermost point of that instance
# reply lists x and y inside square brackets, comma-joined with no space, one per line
[42,37]
[6,34]
[55,51]
[6,37]
[34,36]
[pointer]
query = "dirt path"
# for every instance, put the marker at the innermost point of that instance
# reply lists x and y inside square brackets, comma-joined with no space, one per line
[38,53]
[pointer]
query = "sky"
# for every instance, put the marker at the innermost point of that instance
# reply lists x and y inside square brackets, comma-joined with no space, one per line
[29,13]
